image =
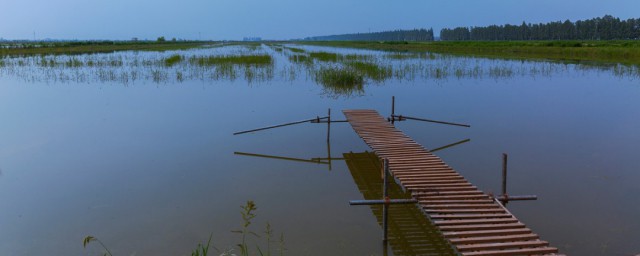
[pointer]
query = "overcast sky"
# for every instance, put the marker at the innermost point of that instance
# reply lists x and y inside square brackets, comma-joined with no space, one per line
[278,19]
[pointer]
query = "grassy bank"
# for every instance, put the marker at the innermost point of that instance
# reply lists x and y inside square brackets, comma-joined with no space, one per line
[23,49]
[626,52]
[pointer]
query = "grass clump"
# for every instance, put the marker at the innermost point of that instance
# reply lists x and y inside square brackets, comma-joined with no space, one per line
[247,60]
[296,50]
[371,70]
[324,56]
[172,60]
[340,81]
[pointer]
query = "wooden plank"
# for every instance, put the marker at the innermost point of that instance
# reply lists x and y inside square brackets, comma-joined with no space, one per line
[481,227]
[506,245]
[543,250]
[492,239]
[496,210]
[500,232]
[445,193]
[474,221]
[463,206]
[470,216]
[473,201]
[450,197]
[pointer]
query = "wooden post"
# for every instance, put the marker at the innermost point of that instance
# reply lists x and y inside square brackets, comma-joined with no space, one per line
[385,209]
[328,125]
[504,175]
[393,109]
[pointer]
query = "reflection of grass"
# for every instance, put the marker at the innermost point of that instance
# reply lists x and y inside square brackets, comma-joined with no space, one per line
[358,57]
[371,70]
[324,56]
[249,60]
[401,56]
[340,81]
[300,59]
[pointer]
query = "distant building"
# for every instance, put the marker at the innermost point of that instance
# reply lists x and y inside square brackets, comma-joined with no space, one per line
[251,39]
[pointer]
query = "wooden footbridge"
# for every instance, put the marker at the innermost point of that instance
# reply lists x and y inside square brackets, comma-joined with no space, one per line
[472,221]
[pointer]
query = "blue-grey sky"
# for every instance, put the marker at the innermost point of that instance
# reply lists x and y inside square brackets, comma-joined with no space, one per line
[278,19]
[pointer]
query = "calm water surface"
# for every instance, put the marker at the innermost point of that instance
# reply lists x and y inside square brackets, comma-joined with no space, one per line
[140,153]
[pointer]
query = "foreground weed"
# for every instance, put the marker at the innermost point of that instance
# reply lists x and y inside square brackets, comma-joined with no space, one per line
[202,250]
[89,239]
[247,215]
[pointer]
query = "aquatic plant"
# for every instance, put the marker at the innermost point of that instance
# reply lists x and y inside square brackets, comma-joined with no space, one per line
[247,215]
[300,59]
[250,60]
[340,81]
[295,50]
[202,250]
[371,70]
[324,56]
[89,239]
[172,60]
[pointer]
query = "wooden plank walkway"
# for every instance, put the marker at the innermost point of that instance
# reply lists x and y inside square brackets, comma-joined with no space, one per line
[472,221]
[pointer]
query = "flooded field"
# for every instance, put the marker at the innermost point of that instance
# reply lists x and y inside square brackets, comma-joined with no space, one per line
[137,148]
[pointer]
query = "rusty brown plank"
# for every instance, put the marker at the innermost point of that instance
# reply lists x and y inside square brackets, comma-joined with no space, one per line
[532,251]
[505,245]
[474,221]
[481,227]
[492,239]
[470,216]
[486,232]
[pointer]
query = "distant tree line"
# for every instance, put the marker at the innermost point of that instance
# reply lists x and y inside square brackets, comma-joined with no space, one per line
[396,35]
[605,28]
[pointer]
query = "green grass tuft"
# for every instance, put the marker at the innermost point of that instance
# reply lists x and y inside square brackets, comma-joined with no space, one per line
[172,60]
[324,56]
[247,60]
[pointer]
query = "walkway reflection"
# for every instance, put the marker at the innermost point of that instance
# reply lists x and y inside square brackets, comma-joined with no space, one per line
[410,232]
